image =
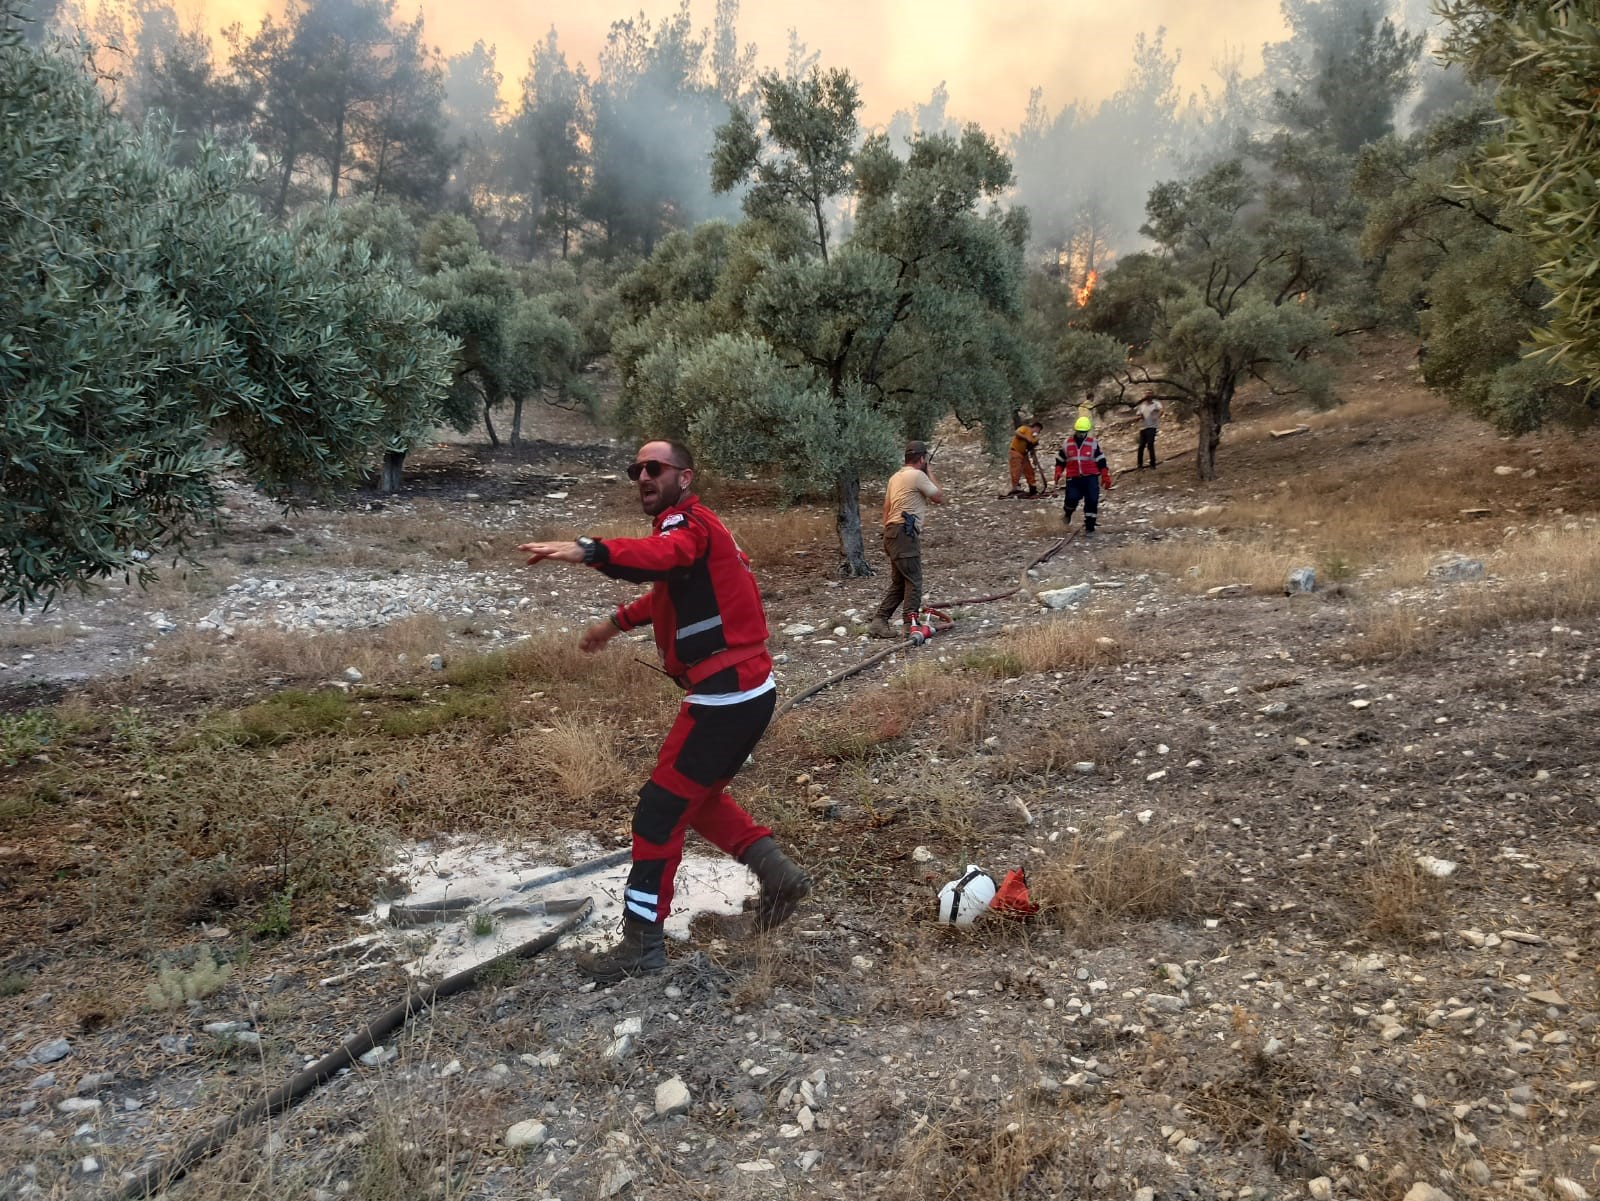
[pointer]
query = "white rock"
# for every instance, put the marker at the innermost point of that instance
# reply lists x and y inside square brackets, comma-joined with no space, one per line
[50,1052]
[1065,598]
[379,1056]
[453,1068]
[1440,869]
[1083,767]
[527,1134]
[840,631]
[757,1165]
[672,1098]
[79,1105]
[799,630]
[1567,1189]
[1423,1191]
[922,855]
[1361,703]
[1320,1189]
[620,1048]
[808,1160]
[617,1179]
[88,1165]
[353,674]
[633,1025]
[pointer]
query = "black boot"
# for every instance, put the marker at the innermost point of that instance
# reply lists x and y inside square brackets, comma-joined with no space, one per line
[641,950]
[783,884]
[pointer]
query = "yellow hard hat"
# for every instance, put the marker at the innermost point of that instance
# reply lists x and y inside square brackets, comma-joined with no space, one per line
[1083,425]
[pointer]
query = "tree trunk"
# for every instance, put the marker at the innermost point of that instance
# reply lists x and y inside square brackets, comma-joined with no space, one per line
[1210,434]
[283,184]
[393,462]
[849,522]
[488,424]
[516,422]
[336,158]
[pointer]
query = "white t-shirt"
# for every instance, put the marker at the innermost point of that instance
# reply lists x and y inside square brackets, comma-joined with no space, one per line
[1150,410]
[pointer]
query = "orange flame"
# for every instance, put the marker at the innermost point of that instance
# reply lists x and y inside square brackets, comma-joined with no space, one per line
[1081,295]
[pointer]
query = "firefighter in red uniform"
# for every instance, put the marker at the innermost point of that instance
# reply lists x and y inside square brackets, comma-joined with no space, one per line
[1082,464]
[711,633]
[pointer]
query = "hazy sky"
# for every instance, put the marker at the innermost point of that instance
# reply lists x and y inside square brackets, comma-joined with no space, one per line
[989,52]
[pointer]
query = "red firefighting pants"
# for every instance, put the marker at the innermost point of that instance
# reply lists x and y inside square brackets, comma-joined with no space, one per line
[706,746]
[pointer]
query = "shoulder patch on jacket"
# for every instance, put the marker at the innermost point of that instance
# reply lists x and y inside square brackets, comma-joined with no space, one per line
[674,520]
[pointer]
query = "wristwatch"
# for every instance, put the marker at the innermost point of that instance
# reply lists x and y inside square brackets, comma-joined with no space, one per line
[590,548]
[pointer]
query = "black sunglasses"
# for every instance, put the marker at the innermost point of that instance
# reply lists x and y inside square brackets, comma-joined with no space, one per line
[654,466]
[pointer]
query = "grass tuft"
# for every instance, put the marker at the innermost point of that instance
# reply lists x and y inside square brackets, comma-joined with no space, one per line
[1113,875]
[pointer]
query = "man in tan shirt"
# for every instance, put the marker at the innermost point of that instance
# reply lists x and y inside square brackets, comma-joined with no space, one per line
[905,505]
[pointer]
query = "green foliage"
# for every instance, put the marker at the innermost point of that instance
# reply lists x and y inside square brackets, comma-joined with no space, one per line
[288,715]
[1463,278]
[810,123]
[25,734]
[276,920]
[1540,172]
[158,330]
[764,346]
[1247,284]
[174,987]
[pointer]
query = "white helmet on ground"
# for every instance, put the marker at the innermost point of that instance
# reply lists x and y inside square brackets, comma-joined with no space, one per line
[961,901]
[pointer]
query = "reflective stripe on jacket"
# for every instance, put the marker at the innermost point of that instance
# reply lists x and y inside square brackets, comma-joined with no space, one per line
[1080,458]
[703,603]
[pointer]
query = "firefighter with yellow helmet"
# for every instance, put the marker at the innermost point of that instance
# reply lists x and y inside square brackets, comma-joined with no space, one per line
[1081,468]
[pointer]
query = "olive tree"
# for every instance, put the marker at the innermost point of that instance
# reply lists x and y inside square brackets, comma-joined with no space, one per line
[771,344]
[156,331]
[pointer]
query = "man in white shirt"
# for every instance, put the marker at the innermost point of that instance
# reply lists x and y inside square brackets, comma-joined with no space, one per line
[1149,410]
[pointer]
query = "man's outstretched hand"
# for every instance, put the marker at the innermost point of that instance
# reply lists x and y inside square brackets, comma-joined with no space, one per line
[561,552]
[596,636]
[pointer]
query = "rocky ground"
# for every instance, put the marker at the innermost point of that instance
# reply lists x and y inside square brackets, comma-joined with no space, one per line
[1323,919]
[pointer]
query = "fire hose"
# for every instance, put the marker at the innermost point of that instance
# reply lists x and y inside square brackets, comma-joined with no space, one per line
[161,1175]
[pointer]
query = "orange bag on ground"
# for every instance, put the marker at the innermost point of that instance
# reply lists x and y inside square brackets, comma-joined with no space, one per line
[1012,898]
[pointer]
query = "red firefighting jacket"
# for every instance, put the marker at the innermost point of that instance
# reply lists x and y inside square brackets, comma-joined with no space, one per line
[703,601]
[1080,458]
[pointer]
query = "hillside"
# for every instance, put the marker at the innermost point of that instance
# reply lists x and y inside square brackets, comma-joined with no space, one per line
[1321,903]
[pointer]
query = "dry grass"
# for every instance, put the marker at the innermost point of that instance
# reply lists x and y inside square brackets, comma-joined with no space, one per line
[1254,1102]
[875,716]
[1070,738]
[1113,875]
[1547,575]
[575,759]
[1259,563]
[1392,632]
[15,636]
[1395,899]
[397,651]
[377,539]
[1053,643]
[216,828]
[965,729]
[772,537]
[1021,1153]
